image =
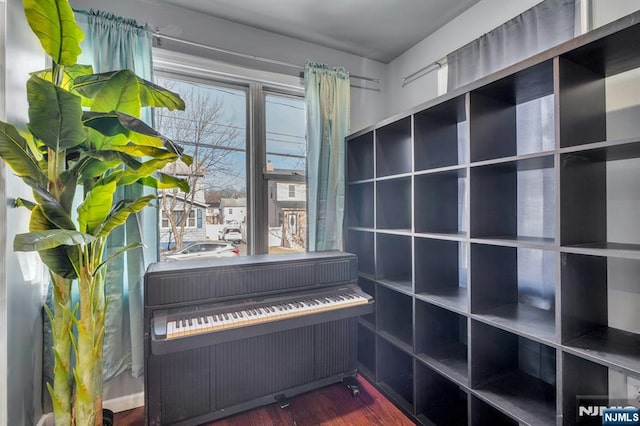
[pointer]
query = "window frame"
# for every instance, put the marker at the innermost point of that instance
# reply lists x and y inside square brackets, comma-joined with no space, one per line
[257,85]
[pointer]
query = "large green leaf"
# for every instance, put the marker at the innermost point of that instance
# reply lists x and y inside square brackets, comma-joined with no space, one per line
[69,75]
[14,149]
[55,115]
[59,260]
[119,93]
[146,151]
[161,180]
[120,214]
[114,123]
[97,204]
[151,95]
[44,240]
[53,23]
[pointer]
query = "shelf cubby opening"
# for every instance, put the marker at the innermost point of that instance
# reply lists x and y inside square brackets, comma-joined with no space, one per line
[394,313]
[367,351]
[394,261]
[440,204]
[600,200]
[393,204]
[600,316]
[514,201]
[360,205]
[441,135]
[514,115]
[361,243]
[393,148]
[441,272]
[441,340]
[599,90]
[395,373]
[514,373]
[369,287]
[586,384]
[483,414]
[439,401]
[515,289]
[360,163]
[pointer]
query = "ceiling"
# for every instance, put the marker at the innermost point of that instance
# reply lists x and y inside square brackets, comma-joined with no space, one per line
[376,29]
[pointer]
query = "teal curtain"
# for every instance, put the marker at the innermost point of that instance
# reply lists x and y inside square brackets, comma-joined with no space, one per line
[114,43]
[327,96]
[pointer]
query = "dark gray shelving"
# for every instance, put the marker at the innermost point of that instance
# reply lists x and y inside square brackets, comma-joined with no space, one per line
[586,384]
[395,315]
[514,115]
[504,252]
[360,208]
[438,400]
[367,351]
[362,244]
[441,340]
[515,289]
[394,258]
[393,148]
[599,198]
[516,374]
[441,135]
[360,163]
[395,373]
[440,203]
[483,414]
[441,272]
[393,204]
[599,309]
[513,200]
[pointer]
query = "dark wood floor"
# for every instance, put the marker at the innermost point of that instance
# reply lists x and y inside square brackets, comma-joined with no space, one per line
[332,405]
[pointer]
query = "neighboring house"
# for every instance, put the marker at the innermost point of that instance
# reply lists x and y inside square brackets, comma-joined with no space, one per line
[288,210]
[214,216]
[234,210]
[194,230]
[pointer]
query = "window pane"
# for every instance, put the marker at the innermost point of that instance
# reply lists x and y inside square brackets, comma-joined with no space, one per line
[286,153]
[285,127]
[213,130]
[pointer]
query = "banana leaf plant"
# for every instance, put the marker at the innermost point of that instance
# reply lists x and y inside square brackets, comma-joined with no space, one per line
[84,135]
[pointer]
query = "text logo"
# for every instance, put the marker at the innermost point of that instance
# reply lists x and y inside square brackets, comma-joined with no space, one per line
[621,416]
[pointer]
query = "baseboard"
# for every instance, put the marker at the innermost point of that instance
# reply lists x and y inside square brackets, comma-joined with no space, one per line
[125,403]
[116,405]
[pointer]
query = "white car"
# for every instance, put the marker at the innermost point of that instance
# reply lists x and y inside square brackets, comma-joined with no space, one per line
[203,250]
[232,235]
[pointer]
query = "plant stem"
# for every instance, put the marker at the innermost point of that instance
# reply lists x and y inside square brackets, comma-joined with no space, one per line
[61,329]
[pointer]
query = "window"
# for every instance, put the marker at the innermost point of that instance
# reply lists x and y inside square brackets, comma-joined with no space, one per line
[244,136]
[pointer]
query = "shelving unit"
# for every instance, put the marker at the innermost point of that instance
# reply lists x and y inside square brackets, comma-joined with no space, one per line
[497,228]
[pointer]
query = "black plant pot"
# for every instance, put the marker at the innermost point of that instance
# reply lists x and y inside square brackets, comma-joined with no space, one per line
[107,417]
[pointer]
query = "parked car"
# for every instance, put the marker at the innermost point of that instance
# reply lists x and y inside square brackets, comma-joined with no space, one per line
[203,250]
[232,235]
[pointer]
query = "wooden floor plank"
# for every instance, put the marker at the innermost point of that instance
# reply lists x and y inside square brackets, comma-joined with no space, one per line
[330,406]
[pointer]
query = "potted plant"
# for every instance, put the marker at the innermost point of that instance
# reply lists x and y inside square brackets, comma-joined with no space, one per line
[84,134]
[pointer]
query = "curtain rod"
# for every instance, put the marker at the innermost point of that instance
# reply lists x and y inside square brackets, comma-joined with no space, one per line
[423,71]
[160,36]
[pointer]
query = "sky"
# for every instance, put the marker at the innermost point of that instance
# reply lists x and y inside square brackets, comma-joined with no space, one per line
[285,130]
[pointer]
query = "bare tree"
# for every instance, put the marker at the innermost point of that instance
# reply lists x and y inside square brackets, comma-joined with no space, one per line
[208,133]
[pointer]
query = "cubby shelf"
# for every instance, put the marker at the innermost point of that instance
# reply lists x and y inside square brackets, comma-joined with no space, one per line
[497,229]
[442,340]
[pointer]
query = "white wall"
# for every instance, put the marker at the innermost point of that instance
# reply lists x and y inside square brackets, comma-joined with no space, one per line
[476,21]
[368,105]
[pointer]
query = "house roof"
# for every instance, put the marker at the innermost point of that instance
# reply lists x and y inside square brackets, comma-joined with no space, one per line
[291,205]
[233,202]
